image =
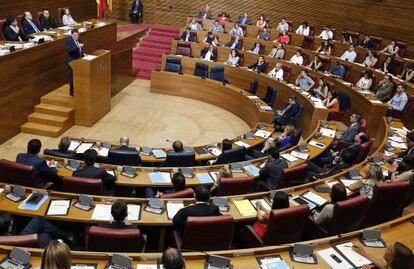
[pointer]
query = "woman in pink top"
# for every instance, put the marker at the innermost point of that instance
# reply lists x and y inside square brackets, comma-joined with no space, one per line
[261,22]
[283,38]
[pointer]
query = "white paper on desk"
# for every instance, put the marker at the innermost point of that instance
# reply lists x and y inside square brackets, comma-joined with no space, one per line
[65,28]
[376,101]
[354,257]
[1,190]
[327,132]
[388,153]
[133,212]
[262,202]
[396,139]
[253,97]
[173,208]
[147,266]
[314,198]
[4,52]
[317,144]
[326,256]
[102,212]
[330,184]
[215,151]
[17,46]
[289,157]
[267,108]
[111,172]
[83,147]
[102,152]
[214,175]
[89,57]
[74,144]
[300,155]
[398,145]
[348,182]
[58,207]
[28,45]
[315,99]
[262,133]
[82,266]
[242,144]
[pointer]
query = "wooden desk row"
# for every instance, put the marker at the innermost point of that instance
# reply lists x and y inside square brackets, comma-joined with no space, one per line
[401,230]
[371,109]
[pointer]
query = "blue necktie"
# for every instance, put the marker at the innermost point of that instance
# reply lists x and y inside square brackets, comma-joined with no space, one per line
[34,26]
[136,5]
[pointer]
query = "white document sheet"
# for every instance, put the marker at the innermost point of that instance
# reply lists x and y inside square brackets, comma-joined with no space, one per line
[317,144]
[300,155]
[289,157]
[327,132]
[133,212]
[102,212]
[262,133]
[330,184]
[215,151]
[83,147]
[398,145]
[354,257]
[326,256]
[58,207]
[147,266]
[73,144]
[173,208]
[314,198]
[242,144]
[262,202]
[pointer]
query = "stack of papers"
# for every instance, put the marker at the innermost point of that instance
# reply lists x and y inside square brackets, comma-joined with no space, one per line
[204,178]
[245,207]
[160,177]
[314,198]
[267,108]
[89,57]
[251,170]
[299,155]
[327,132]
[83,147]
[328,254]
[173,208]
[242,144]
[263,203]
[102,212]
[397,139]
[398,145]
[74,144]
[58,208]
[262,133]
[347,251]
[253,97]
[288,157]
[4,52]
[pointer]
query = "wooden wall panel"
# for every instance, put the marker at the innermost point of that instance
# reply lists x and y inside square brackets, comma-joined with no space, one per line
[80,9]
[387,18]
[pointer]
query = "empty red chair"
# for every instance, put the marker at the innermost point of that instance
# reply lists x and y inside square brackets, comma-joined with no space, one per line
[331,85]
[290,23]
[387,203]
[115,240]
[397,66]
[183,48]
[377,41]
[400,114]
[348,67]
[2,24]
[311,30]
[27,240]
[60,13]
[363,151]
[91,186]
[206,233]
[287,70]
[295,175]
[305,57]
[326,62]
[186,193]
[37,17]
[241,57]
[308,42]
[363,125]
[17,173]
[285,226]
[403,48]
[355,36]
[234,186]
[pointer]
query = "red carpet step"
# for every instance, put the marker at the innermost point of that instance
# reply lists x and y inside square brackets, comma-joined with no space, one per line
[148,55]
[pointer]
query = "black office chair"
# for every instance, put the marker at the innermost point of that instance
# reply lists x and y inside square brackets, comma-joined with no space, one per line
[293,119]
[201,70]
[270,97]
[232,155]
[217,73]
[173,64]
[254,84]
[122,157]
[182,159]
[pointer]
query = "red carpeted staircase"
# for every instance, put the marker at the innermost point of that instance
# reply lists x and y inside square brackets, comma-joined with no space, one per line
[147,56]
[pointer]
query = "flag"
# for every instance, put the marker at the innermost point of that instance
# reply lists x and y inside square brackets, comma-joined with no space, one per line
[102,5]
[109,5]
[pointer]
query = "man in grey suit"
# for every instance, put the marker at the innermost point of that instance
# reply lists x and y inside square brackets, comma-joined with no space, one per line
[271,176]
[205,13]
[353,129]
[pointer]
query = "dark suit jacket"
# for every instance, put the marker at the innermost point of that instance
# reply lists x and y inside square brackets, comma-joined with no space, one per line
[191,38]
[353,149]
[406,152]
[73,51]
[259,68]
[140,7]
[118,225]
[239,45]
[248,21]
[213,55]
[108,180]
[202,12]
[336,169]
[197,210]
[44,172]
[290,112]
[368,45]
[11,35]
[28,28]
[47,23]
[125,148]
[349,135]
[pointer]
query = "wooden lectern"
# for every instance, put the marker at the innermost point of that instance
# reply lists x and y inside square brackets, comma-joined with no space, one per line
[92,87]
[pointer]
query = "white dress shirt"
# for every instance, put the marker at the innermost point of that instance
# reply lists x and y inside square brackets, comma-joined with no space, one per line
[207,56]
[303,30]
[349,56]
[277,74]
[283,26]
[326,34]
[68,20]
[296,59]
[17,31]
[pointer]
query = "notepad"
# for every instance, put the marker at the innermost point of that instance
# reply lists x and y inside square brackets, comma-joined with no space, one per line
[159,153]
[215,151]
[327,132]
[102,212]
[73,145]
[242,144]
[353,257]
[160,177]
[251,170]
[263,203]
[330,184]
[327,254]
[204,178]
[288,157]
[299,155]
[83,147]
[314,198]
[58,208]
[317,144]
[173,208]
[262,133]
[245,207]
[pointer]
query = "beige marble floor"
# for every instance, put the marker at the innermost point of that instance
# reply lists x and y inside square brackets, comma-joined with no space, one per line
[148,119]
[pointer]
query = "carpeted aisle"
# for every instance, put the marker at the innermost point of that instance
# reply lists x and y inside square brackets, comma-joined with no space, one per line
[147,55]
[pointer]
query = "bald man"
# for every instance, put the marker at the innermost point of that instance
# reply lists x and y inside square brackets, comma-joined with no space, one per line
[172,259]
[29,25]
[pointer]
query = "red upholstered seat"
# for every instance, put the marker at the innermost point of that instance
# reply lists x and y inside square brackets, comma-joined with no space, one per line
[27,240]
[305,57]
[287,70]
[295,175]
[285,226]
[37,17]
[397,66]
[311,30]
[377,41]
[241,57]
[363,151]
[363,125]
[403,48]
[400,114]
[234,186]
[206,233]
[17,173]
[308,42]
[290,23]
[355,36]
[348,67]
[115,240]
[183,48]
[326,62]
[60,12]
[91,186]
[2,24]
[186,193]
[387,202]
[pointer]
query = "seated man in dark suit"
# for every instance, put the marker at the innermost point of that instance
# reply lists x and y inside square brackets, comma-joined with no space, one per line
[270,176]
[46,21]
[200,209]
[178,182]
[187,36]
[259,66]
[235,43]
[11,30]
[344,161]
[124,155]
[119,212]
[287,112]
[62,150]
[90,171]
[29,25]
[45,173]
[353,129]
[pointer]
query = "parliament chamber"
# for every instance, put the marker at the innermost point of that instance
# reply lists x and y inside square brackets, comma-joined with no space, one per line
[221,134]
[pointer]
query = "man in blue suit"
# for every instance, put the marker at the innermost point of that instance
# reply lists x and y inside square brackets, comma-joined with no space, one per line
[44,172]
[29,26]
[75,51]
[353,129]
[187,36]
[289,111]
[136,11]
[258,66]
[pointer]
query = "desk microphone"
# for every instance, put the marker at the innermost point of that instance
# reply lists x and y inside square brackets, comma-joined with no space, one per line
[216,261]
